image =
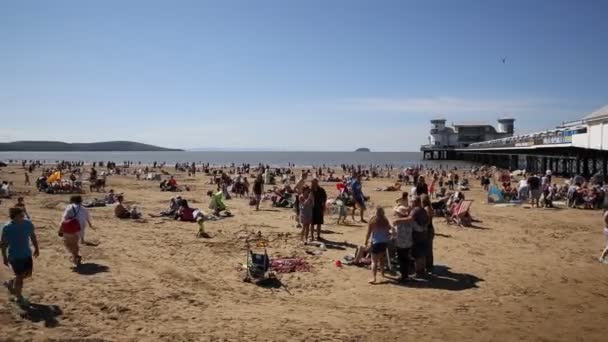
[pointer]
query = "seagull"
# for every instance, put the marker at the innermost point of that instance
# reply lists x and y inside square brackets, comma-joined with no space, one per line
[504,60]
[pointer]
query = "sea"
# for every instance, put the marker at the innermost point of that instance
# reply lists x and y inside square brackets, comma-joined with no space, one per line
[300,159]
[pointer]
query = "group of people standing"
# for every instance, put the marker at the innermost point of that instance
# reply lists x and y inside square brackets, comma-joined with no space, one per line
[410,236]
[309,207]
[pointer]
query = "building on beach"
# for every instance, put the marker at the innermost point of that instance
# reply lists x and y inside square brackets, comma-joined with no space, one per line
[577,147]
[442,138]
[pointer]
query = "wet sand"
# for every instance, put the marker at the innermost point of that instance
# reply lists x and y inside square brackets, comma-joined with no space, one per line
[520,274]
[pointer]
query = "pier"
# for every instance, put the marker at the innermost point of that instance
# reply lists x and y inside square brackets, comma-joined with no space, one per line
[579,147]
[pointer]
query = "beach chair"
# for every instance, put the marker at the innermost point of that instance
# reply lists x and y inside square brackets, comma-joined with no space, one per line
[258,263]
[462,216]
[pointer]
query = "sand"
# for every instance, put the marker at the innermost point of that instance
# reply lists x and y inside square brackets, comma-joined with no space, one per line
[522,274]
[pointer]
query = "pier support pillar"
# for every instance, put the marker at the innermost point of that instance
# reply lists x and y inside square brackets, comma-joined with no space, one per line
[577,169]
[604,166]
[586,167]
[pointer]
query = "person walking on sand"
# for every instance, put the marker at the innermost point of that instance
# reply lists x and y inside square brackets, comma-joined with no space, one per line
[379,231]
[27,179]
[318,209]
[21,204]
[258,190]
[16,237]
[73,224]
[306,203]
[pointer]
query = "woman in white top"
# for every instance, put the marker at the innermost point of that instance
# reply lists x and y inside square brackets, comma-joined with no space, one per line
[76,210]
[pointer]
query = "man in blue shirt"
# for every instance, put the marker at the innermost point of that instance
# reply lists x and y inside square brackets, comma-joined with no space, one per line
[16,236]
[357,189]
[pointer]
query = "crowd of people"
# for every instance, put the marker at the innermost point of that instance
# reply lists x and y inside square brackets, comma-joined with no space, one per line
[407,236]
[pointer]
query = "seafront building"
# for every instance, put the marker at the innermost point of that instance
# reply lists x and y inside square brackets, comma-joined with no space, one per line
[444,138]
[577,147]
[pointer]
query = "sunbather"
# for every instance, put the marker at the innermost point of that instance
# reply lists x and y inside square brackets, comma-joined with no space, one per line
[122,211]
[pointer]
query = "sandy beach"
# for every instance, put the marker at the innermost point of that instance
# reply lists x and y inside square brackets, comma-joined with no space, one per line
[520,274]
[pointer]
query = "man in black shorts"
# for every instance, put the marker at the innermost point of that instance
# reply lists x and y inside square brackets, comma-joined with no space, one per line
[16,236]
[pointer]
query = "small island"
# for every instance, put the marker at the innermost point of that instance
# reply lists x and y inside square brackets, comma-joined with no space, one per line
[363,149]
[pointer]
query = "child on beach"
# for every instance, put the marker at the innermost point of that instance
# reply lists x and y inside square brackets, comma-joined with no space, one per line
[16,237]
[306,203]
[21,204]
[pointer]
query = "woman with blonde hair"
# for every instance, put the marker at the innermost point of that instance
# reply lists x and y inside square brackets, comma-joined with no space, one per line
[379,230]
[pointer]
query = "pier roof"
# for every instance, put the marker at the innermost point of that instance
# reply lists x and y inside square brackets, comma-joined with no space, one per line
[601,113]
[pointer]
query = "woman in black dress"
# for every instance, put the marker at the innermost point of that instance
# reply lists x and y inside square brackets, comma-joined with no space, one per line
[320,197]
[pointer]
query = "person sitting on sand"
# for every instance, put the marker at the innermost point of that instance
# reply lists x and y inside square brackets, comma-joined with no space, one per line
[403,200]
[217,203]
[110,197]
[171,184]
[378,230]
[5,190]
[122,211]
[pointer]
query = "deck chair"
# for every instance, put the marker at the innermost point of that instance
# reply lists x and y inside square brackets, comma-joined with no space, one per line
[461,215]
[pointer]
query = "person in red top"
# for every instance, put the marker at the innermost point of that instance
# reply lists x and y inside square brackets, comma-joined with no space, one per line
[172,183]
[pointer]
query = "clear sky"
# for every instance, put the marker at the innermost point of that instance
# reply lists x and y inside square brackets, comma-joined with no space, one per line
[294,74]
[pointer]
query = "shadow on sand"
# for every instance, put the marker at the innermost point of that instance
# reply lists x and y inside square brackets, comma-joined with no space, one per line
[337,245]
[90,268]
[444,279]
[40,312]
[272,283]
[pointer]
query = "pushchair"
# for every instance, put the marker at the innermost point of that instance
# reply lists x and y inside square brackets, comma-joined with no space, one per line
[258,262]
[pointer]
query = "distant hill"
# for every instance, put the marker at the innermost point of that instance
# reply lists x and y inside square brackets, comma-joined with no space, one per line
[363,149]
[41,146]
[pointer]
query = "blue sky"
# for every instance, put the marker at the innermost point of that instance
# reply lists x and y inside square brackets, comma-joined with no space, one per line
[295,75]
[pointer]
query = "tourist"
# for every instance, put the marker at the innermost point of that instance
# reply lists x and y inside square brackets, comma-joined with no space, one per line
[605,251]
[27,179]
[258,190]
[379,231]
[403,242]
[298,189]
[122,211]
[76,211]
[16,237]
[429,260]
[403,200]
[306,203]
[523,190]
[318,209]
[110,197]
[535,190]
[21,204]
[421,187]
[217,203]
[358,197]
[420,218]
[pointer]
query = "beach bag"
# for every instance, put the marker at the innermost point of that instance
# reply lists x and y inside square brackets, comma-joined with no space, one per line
[71,225]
